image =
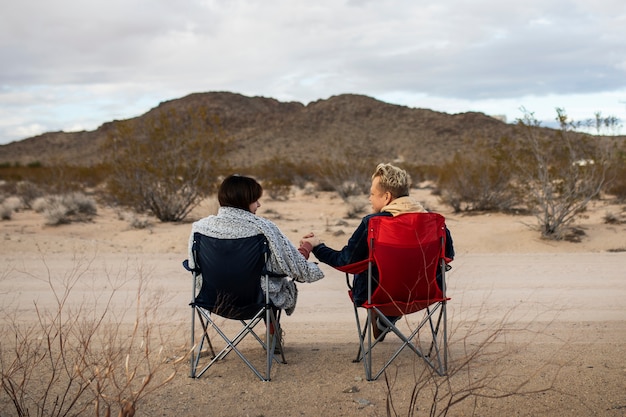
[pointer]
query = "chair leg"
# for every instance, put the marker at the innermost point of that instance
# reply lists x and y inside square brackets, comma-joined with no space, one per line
[365,333]
[270,342]
[361,331]
[196,348]
[436,356]
[192,364]
[278,335]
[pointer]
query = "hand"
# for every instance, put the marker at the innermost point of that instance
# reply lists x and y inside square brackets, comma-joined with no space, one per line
[312,240]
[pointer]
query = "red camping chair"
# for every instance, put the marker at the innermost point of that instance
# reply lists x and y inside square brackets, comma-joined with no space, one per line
[408,251]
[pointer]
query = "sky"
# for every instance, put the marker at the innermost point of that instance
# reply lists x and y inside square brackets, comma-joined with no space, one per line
[75,64]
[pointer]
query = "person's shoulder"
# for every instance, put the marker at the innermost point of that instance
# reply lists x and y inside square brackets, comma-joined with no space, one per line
[201,222]
[369,216]
[267,223]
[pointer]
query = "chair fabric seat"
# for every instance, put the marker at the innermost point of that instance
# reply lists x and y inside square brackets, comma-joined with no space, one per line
[231,271]
[408,254]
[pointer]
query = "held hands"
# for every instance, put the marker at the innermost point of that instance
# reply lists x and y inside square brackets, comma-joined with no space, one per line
[310,239]
[305,246]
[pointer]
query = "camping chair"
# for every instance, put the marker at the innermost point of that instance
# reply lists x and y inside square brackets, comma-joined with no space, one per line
[231,271]
[408,253]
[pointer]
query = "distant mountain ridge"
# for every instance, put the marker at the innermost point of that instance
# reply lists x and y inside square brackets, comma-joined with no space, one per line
[342,126]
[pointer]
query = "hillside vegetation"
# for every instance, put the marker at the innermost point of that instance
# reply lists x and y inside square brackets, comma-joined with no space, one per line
[167,160]
[263,128]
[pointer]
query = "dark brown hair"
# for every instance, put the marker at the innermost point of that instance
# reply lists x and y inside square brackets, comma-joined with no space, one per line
[239,192]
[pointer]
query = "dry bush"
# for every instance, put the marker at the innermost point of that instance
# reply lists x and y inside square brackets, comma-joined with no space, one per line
[167,165]
[77,357]
[28,192]
[6,212]
[616,184]
[482,368]
[477,181]
[346,177]
[558,171]
[278,175]
[134,220]
[8,206]
[35,180]
[357,206]
[66,208]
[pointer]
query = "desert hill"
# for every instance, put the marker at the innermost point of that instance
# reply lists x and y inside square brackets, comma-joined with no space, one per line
[342,126]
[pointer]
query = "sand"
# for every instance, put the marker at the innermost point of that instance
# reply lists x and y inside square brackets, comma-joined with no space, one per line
[543,319]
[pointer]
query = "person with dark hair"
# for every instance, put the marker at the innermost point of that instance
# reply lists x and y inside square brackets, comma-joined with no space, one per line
[389,196]
[239,199]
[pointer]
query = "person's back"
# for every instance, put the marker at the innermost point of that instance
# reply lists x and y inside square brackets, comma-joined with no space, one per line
[389,196]
[236,218]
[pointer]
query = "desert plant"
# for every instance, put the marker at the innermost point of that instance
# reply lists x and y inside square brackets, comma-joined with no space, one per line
[167,165]
[346,177]
[66,208]
[78,355]
[616,184]
[8,206]
[477,342]
[39,204]
[6,211]
[609,125]
[278,175]
[477,181]
[357,206]
[612,218]
[34,180]
[28,192]
[559,171]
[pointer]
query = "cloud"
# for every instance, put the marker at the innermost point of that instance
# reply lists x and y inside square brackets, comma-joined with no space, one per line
[70,62]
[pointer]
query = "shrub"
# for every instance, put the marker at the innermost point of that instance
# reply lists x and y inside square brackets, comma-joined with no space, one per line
[63,209]
[77,357]
[167,165]
[559,171]
[6,211]
[346,177]
[39,205]
[616,184]
[612,218]
[32,181]
[356,206]
[15,203]
[479,181]
[28,192]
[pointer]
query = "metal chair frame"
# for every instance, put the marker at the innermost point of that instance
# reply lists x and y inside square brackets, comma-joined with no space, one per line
[434,310]
[271,342]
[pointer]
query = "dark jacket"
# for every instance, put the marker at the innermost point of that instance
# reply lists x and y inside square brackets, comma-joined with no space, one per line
[357,250]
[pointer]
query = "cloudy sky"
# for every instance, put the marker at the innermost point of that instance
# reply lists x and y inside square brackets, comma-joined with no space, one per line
[75,64]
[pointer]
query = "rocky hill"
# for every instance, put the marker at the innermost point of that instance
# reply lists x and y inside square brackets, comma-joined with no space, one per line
[343,126]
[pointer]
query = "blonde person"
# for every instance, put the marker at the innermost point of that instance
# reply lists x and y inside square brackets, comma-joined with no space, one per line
[389,196]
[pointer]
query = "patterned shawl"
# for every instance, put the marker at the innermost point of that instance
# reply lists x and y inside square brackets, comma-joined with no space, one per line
[233,223]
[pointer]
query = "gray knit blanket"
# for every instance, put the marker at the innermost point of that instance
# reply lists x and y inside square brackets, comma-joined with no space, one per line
[234,223]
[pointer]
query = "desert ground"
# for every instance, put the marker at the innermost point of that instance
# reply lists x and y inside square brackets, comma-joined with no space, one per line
[537,327]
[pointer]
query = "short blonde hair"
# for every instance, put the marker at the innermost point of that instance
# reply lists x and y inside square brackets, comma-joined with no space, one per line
[393,179]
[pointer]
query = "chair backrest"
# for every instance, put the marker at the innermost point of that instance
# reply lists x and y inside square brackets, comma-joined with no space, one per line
[408,251]
[231,274]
